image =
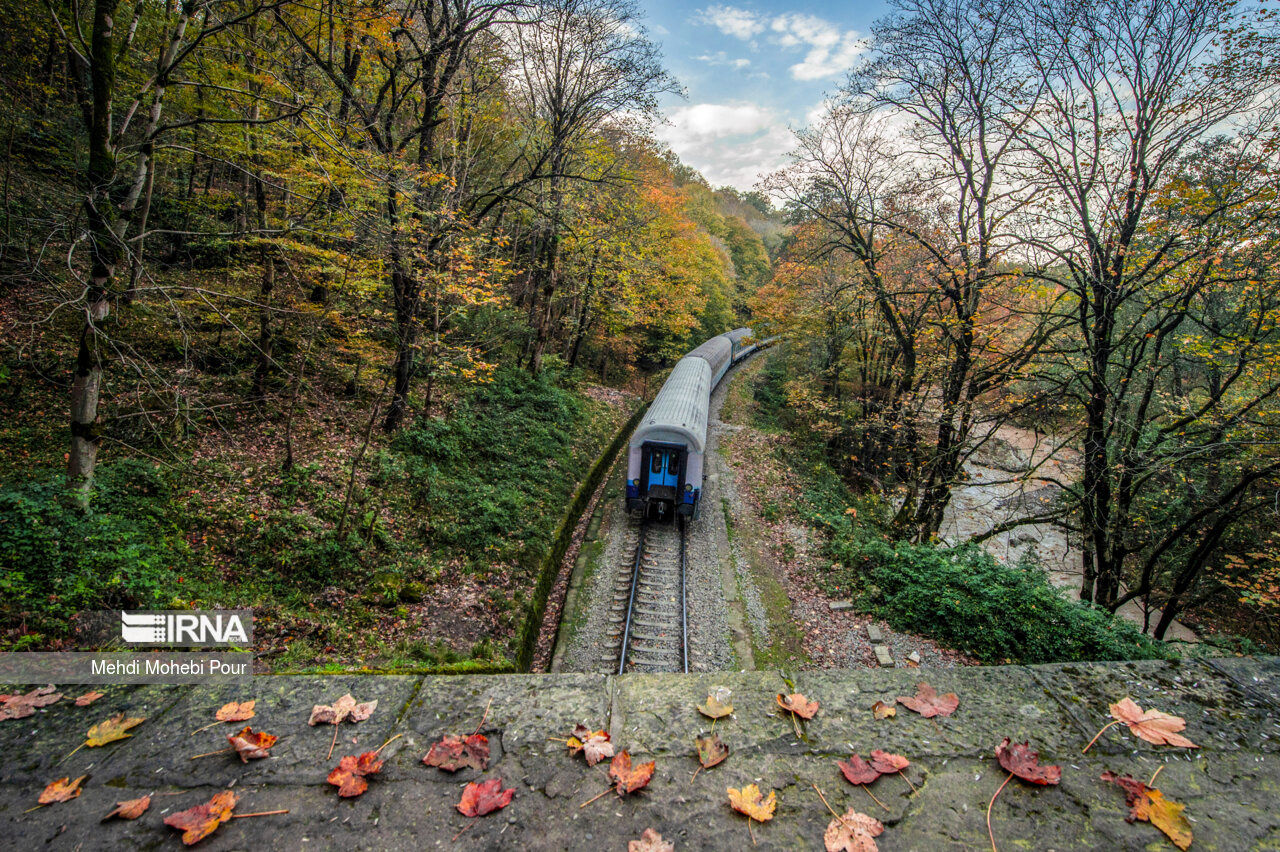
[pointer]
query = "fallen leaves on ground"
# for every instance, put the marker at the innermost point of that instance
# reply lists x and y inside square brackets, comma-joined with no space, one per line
[628,778]
[798,704]
[199,822]
[130,809]
[454,752]
[857,771]
[711,750]
[883,711]
[24,705]
[88,698]
[350,773]
[484,797]
[251,744]
[594,745]
[235,711]
[888,763]
[345,708]
[750,801]
[928,703]
[61,790]
[651,841]
[1152,725]
[1019,759]
[1149,805]
[715,707]
[853,832]
[111,729]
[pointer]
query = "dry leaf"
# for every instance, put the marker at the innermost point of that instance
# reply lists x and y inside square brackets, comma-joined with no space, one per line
[711,750]
[349,775]
[651,841]
[22,706]
[344,709]
[88,698]
[751,802]
[111,729]
[131,809]
[453,753]
[251,745]
[629,778]
[883,711]
[61,790]
[857,771]
[199,822]
[853,832]
[714,708]
[1152,726]
[885,763]
[235,712]
[798,704]
[594,745]
[485,797]
[928,703]
[1019,759]
[1149,804]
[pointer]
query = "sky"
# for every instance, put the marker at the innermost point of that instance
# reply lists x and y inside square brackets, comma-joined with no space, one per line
[751,73]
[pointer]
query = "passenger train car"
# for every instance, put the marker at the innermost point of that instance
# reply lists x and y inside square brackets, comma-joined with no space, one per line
[664,465]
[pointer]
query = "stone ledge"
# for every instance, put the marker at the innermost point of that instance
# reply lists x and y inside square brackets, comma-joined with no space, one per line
[1231,786]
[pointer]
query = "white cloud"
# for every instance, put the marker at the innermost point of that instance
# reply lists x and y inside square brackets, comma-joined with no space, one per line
[739,23]
[829,50]
[722,58]
[732,143]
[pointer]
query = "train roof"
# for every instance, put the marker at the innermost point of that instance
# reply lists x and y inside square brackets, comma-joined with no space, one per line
[716,352]
[679,411]
[738,334]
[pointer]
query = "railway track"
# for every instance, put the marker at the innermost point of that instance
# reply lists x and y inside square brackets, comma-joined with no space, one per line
[647,617]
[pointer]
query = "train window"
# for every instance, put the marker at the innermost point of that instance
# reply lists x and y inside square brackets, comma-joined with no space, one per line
[657,463]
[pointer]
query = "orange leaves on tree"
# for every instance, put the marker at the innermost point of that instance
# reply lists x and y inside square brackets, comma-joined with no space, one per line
[61,790]
[130,809]
[88,698]
[24,705]
[454,752]
[1152,725]
[235,711]
[594,745]
[199,822]
[350,773]
[928,703]
[1018,759]
[651,841]
[484,797]
[798,705]
[853,832]
[1149,805]
[628,778]
[250,744]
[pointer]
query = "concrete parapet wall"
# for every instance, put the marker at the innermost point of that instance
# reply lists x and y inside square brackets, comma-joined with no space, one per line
[1230,786]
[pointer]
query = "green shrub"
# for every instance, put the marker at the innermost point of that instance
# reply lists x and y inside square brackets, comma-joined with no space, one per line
[966,599]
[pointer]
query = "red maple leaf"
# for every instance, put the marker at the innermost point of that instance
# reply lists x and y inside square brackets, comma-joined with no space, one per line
[928,703]
[349,775]
[858,771]
[453,753]
[1019,759]
[484,797]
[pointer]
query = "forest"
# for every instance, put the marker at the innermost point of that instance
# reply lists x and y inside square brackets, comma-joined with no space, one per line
[1057,218]
[324,308]
[327,309]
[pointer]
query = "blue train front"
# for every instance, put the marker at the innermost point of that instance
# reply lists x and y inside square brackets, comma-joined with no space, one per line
[665,460]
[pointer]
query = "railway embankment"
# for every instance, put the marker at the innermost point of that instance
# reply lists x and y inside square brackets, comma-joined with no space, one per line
[1230,785]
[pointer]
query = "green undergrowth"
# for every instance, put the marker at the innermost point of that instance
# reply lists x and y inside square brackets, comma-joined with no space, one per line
[472,499]
[962,597]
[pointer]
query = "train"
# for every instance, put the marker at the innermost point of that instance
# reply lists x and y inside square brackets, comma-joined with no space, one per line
[665,456]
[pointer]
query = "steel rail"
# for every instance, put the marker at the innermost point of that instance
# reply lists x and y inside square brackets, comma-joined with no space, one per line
[631,600]
[684,605]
